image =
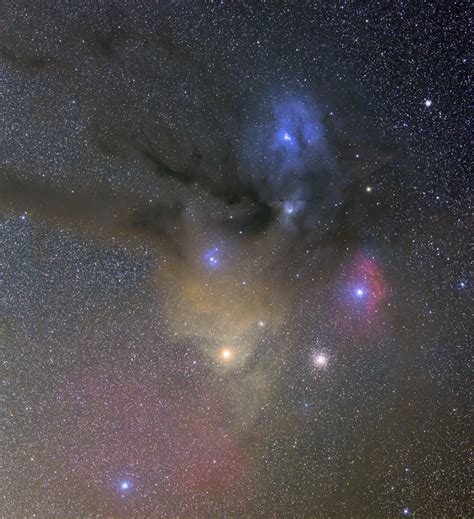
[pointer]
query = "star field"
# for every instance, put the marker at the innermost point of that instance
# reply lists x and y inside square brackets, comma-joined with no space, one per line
[234,259]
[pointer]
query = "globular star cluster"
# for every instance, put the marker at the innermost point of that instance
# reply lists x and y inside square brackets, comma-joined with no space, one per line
[234,269]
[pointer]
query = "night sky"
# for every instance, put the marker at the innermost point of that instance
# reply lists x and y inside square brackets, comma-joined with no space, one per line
[234,259]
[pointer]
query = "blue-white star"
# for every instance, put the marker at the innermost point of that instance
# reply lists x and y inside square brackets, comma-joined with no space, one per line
[125,485]
[212,257]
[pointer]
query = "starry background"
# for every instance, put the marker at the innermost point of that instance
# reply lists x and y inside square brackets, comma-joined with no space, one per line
[234,259]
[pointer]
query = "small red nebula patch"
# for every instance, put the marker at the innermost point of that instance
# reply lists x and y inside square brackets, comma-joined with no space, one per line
[367,283]
[361,297]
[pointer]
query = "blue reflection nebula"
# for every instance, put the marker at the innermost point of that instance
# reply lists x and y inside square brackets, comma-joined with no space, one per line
[286,153]
[292,207]
[212,257]
[294,139]
[284,142]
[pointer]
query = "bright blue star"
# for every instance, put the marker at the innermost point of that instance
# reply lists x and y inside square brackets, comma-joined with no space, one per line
[212,257]
[462,284]
[359,292]
[406,511]
[125,485]
[289,143]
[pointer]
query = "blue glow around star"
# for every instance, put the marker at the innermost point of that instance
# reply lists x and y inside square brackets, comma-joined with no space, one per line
[359,292]
[125,485]
[292,207]
[406,512]
[296,138]
[213,257]
[287,141]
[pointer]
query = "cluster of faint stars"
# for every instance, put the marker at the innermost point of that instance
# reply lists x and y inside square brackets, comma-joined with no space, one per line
[320,360]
